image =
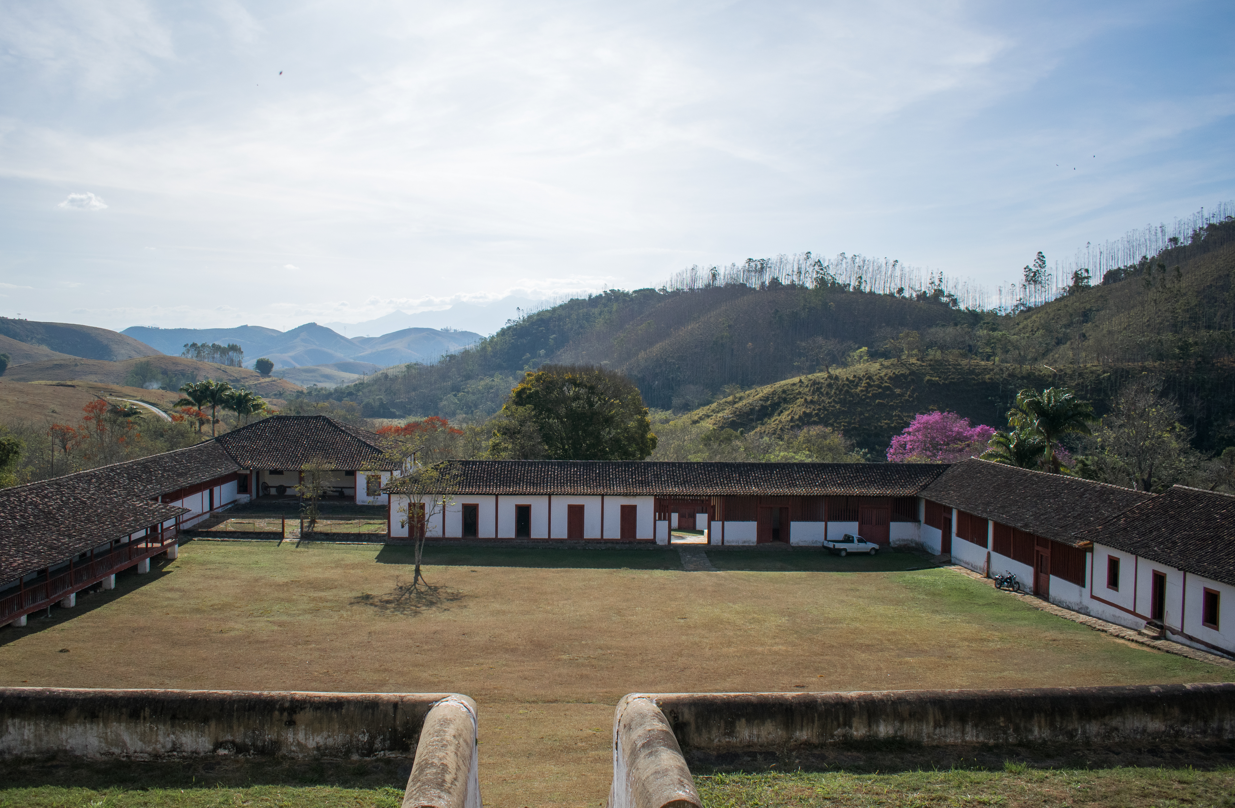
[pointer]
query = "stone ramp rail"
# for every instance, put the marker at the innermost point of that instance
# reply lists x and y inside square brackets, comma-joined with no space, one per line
[438,729]
[656,735]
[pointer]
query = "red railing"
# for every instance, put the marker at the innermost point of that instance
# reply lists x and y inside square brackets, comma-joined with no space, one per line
[81,574]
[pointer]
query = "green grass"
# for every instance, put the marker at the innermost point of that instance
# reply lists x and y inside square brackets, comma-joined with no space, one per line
[1015,787]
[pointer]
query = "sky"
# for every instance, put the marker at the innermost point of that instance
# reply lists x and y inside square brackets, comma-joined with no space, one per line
[228,163]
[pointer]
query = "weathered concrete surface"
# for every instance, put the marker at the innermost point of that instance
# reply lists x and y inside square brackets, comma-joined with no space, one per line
[648,768]
[446,772]
[1074,715]
[138,724]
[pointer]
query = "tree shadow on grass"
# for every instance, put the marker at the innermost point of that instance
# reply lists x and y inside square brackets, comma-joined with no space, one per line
[411,600]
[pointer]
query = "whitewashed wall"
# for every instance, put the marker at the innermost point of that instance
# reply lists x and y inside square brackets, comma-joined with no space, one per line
[905,533]
[591,516]
[1224,635]
[1174,592]
[741,533]
[932,539]
[506,516]
[1001,564]
[969,555]
[644,519]
[484,516]
[362,497]
[1125,595]
[1068,595]
[806,534]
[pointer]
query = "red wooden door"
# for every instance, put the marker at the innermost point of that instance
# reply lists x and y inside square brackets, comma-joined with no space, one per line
[875,525]
[630,515]
[574,521]
[686,521]
[1157,597]
[945,541]
[1042,572]
[763,528]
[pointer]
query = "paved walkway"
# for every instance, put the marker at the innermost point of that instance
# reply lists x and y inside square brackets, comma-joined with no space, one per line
[694,559]
[1109,628]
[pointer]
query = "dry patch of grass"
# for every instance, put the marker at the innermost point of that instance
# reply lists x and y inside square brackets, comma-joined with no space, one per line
[547,641]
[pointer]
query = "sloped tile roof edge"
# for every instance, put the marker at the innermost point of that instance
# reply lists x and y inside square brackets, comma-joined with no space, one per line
[1007,494]
[682,478]
[1190,529]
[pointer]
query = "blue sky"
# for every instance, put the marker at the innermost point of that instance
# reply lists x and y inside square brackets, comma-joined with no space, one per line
[156,168]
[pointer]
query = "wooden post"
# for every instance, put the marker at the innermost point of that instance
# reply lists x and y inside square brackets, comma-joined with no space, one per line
[602,516]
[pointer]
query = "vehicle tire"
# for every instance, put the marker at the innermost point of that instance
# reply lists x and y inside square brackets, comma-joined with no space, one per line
[842,553]
[874,551]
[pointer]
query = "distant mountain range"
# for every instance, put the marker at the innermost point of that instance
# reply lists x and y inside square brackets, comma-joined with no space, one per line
[312,344]
[486,318]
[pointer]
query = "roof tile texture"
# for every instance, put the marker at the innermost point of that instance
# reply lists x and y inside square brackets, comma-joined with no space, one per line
[1185,528]
[620,478]
[291,441]
[1049,505]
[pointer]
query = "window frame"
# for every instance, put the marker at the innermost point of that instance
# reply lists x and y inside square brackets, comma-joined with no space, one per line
[475,508]
[1206,593]
[372,481]
[1112,566]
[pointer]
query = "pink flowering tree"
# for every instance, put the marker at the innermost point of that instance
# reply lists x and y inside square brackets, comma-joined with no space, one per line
[939,437]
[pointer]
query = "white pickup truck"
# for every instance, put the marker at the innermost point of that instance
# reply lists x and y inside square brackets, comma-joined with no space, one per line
[850,543]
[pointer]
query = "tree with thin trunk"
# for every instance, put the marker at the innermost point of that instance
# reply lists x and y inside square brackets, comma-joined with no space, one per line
[245,403]
[420,451]
[312,486]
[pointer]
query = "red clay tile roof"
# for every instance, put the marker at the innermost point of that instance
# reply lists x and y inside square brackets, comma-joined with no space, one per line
[635,478]
[1049,505]
[1186,528]
[291,441]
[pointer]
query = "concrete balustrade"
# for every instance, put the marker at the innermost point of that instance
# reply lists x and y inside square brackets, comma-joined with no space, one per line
[656,735]
[440,730]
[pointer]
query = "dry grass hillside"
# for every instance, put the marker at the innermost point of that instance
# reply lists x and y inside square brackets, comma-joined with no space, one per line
[85,341]
[91,370]
[62,402]
[22,352]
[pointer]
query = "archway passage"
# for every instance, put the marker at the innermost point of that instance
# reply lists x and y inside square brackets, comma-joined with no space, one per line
[773,526]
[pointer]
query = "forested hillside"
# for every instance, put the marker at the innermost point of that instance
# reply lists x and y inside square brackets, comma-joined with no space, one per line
[1170,315]
[871,403]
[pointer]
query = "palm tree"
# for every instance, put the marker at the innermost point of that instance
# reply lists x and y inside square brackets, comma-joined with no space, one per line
[245,403]
[1015,447]
[206,393]
[1052,414]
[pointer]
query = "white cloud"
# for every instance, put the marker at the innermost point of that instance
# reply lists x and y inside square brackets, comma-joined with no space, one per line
[13,286]
[290,266]
[86,201]
[68,284]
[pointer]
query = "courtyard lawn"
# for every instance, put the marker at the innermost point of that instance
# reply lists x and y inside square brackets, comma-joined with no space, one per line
[547,641]
[1016,788]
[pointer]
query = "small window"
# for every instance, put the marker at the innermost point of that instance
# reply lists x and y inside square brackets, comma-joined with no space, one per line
[349,474]
[276,472]
[242,484]
[373,485]
[1112,573]
[1209,608]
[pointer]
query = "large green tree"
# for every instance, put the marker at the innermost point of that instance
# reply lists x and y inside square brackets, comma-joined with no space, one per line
[573,412]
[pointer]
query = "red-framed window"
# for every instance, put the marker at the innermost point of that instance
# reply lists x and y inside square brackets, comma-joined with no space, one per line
[1211,601]
[1112,573]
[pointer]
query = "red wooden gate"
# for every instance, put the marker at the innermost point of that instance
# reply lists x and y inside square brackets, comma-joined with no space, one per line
[875,525]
